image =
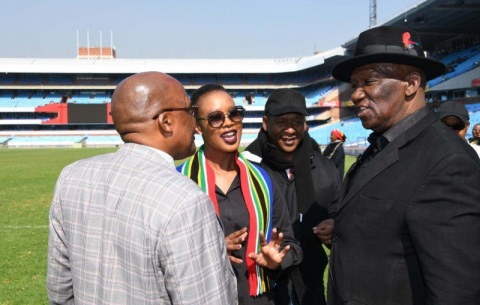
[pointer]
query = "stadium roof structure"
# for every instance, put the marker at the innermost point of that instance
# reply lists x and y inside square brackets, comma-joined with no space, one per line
[436,21]
[187,66]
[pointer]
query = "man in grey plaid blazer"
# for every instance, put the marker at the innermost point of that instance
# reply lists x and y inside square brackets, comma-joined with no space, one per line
[126,228]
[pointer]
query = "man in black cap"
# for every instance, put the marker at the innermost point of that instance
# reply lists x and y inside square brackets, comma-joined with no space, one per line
[455,115]
[408,222]
[311,187]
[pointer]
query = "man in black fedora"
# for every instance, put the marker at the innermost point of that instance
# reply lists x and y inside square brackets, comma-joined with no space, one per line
[407,228]
[311,187]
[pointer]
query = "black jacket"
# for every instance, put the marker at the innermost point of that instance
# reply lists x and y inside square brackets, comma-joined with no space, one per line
[408,229]
[335,152]
[308,277]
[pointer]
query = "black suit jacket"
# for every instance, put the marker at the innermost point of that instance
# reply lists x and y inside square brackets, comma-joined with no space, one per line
[408,229]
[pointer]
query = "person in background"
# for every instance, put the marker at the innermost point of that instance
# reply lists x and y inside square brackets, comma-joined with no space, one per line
[259,236]
[455,116]
[475,140]
[335,152]
[311,188]
[126,227]
[407,225]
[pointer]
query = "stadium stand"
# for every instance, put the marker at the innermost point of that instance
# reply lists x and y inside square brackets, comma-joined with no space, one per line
[7,79]
[231,79]
[32,80]
[353,129]
[250,82]
[258,79]
[60,80]
[458,63]
[204,80]
[53,97]
[81,98]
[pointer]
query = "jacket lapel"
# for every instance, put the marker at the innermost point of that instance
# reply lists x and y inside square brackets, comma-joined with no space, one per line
[383,160]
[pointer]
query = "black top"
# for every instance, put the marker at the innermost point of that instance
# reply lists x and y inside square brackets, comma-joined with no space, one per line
[234,216]
[335,152]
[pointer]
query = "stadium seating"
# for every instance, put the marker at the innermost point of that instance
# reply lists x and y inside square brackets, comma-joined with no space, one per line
[47,139]
[23,99]
[101,98]
[204,80]
[7,79]
[259,99]
[53,97]
[239,100]
[353,129]
[471,61]
[99,140]
[231,80]
[185,80]
[60,80]
[33,80]
[83,98]
[6,99]
[473,107]
[257,79]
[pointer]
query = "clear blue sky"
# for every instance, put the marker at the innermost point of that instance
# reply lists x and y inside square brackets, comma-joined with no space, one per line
[185,28]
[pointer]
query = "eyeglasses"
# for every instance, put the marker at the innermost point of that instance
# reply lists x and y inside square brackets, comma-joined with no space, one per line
[191,110]
[456,126]
[217,118]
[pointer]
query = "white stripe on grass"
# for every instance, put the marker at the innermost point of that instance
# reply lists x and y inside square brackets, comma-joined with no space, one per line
[23,227]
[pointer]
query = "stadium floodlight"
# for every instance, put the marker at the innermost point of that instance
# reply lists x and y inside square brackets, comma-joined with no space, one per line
[373,13]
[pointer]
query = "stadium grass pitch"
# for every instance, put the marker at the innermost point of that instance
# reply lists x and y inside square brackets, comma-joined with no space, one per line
[27,182]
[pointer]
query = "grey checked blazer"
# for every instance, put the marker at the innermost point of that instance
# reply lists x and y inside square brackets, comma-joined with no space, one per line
[127,228]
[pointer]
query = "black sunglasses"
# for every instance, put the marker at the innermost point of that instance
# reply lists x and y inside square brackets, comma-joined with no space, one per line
[191,110]
[456,126]
[217,118]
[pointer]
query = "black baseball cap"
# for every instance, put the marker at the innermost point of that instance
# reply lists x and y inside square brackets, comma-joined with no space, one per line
[453,108]
[283,101]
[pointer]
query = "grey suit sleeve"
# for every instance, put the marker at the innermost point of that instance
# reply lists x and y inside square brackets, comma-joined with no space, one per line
[193,257]
[59,276]
[444,224]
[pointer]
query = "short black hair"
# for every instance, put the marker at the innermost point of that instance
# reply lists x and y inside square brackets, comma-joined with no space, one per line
[197,94]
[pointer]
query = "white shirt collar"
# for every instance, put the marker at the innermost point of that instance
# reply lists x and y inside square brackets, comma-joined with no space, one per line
[164,155]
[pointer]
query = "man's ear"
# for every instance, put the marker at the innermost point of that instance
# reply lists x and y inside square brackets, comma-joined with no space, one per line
[165,122]
[467,125]
[197,129]
[265,123]
[414,81]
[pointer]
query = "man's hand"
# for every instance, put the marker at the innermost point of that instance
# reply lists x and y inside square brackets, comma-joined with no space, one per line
[324,231]
[234,242]
[270,255]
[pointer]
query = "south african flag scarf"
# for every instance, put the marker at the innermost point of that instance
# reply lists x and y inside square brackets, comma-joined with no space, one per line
[257,192]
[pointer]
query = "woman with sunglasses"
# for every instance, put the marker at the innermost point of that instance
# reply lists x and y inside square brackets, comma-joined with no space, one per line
[258,232]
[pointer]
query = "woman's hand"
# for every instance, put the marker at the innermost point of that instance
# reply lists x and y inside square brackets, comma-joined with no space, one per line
[270,255]
[234,242]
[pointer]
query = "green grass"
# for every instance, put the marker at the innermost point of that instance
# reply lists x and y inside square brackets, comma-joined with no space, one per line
[27,181]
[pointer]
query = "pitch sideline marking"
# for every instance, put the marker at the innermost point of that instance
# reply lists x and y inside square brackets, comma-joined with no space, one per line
[23,227]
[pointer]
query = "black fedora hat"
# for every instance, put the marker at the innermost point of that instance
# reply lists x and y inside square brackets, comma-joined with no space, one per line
[388,44]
